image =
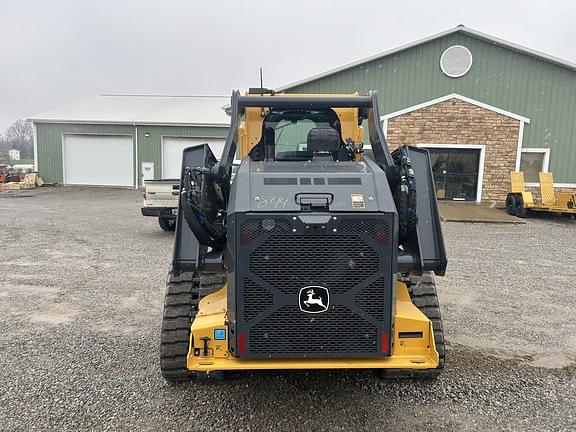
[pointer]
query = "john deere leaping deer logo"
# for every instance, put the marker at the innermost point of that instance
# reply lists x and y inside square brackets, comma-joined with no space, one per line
[314,299]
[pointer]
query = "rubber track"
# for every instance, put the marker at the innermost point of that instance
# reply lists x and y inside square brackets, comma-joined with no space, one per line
[423,293]
[183,292]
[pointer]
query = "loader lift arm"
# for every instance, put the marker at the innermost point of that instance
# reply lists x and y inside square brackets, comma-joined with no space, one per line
[421,241]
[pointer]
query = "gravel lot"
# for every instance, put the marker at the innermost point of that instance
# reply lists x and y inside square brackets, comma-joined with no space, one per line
[81,304]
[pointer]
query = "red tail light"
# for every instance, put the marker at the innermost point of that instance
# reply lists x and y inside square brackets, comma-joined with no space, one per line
[242,343]
[385,341]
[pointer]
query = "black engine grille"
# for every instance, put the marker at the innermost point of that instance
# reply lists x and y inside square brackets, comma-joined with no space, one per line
[289,330]
[289,262]
[351,257]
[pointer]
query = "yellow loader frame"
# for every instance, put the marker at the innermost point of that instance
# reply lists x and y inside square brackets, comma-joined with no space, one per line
[207,354]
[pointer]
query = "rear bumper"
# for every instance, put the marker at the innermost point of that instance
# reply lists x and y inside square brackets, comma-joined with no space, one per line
[161,212]
[395,361]
[408,353]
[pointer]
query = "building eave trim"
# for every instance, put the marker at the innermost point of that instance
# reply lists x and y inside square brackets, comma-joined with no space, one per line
[416,107]
[126,123]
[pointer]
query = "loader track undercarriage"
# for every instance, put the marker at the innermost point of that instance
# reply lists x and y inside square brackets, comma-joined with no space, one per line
[423,294]
[183,293]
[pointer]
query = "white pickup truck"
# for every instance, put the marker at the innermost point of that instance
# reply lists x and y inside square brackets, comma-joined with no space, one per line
[161,201]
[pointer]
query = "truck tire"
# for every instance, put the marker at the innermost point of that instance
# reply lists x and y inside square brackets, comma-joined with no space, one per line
[520,211]
[511,204]
[183,293]
[167,224]
[423,293]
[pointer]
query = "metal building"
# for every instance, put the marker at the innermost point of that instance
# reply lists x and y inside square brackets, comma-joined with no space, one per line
[481,105]
[118,140]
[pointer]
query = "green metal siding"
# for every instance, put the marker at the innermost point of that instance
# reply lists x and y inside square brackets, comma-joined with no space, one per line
[512,81]
[50,138]
[150,148]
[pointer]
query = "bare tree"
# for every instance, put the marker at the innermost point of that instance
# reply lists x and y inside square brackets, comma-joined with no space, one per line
[20,136]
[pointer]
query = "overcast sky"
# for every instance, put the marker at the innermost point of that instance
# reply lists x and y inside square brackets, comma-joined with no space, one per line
[53,52]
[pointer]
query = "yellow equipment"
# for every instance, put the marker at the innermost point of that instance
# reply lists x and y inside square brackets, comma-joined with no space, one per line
[410,352]
[520,202]
[311,255]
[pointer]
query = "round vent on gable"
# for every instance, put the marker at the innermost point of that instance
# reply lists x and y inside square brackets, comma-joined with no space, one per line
[456,61]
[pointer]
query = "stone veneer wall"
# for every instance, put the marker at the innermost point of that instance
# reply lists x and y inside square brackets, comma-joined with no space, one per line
[458,122]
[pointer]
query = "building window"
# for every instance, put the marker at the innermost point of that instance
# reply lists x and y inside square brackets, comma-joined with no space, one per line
[532,162]
[456,61]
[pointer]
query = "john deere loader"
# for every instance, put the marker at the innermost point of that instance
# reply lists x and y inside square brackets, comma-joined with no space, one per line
[317,253]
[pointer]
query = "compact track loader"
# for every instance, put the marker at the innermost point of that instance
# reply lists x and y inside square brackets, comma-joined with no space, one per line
[314,254]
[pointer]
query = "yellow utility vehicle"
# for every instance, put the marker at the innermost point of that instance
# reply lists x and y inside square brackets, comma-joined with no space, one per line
[313,255]
[519,202]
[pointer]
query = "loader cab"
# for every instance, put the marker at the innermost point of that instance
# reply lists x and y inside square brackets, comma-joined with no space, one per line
[300,135]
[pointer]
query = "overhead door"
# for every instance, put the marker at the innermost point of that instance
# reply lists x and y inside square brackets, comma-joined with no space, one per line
[103,160]
[172,148]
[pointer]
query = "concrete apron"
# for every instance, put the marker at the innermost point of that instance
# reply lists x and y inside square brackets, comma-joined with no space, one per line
[451,211]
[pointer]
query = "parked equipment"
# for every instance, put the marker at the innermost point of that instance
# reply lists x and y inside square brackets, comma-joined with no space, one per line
[161,201]
[520,203]
[313,256]
[8,174]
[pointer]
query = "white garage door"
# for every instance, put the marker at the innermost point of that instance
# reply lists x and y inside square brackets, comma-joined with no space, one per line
[172,152]
[98,160]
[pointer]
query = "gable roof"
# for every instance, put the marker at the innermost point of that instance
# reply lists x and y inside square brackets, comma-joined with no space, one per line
[458,29]
[459,97]
[142,109]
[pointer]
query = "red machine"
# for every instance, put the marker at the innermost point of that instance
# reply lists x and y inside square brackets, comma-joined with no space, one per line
[7,174]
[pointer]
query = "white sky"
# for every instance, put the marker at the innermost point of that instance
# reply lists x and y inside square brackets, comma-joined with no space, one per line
[53,52]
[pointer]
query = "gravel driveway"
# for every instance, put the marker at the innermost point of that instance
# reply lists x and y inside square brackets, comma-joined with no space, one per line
[81,298]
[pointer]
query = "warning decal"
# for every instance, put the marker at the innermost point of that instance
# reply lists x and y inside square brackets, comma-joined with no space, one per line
[358,201]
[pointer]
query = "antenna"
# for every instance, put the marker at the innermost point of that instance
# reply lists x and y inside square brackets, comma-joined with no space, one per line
[260,90]
[261,80]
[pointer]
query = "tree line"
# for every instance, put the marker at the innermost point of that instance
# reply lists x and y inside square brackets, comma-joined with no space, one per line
[19,136]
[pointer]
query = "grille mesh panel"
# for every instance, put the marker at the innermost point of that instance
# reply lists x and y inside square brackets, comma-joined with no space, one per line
[256,298]
[252,229]
[290,331]
[289,262]
[274,264]
[372,299]
[375,228]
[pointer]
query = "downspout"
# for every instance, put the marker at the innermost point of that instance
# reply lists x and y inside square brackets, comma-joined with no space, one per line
[137,179]
[35,143]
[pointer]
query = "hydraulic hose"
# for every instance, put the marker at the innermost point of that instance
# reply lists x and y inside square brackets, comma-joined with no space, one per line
[406,194]
[205,230]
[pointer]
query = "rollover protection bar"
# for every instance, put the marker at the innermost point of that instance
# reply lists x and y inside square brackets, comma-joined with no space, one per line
[308,102]
[368,110]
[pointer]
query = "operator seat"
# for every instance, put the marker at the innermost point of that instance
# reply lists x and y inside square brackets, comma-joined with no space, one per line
[325,142]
